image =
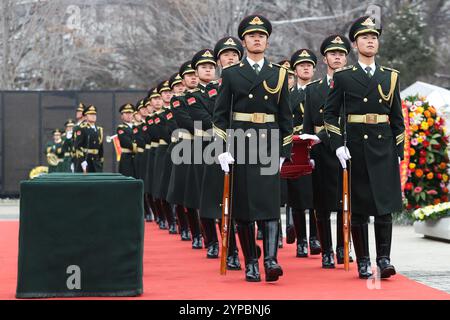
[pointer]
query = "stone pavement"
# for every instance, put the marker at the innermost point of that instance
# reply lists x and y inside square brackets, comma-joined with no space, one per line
[419,258]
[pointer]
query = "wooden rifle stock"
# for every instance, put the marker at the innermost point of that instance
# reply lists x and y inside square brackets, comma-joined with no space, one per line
[346,216]
[225,223]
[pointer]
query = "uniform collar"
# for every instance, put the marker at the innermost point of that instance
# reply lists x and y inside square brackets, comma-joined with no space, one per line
[252,63]
[364,66]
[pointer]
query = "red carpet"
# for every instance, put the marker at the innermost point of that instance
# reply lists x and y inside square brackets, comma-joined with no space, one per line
[172,270]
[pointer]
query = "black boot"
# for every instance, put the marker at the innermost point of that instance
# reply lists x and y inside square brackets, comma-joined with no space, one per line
[182,220]
[302,248]
[246,232]
[211,242]
[270,244]
[259,234]
[298,216]
[233,262]
[290,227]
[280,235]
[194,226]
[340,240]
[170,217]
[147,209]
[324,228]
[360,236]
[314,243]
[383,238]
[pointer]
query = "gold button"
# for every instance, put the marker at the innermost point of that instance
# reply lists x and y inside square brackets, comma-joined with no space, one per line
[266,97]
[263,135]
[365,100]
[293,116]
[250,96]
[249,135]
[366,137]
[321,110]
[380,101]
[379,136]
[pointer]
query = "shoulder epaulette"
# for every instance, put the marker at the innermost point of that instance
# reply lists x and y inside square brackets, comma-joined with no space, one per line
[193,90]
[312,82]
[278,65]
[159,112]
[344,68]
[232,65]
[122,126]
[83,125]
[390,69]
[214,82]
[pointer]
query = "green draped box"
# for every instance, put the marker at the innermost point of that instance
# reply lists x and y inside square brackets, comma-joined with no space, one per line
[80,235]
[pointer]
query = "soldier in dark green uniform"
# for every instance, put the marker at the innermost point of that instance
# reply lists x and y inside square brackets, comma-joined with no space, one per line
[89,143]
[335,49]
[127,141]
[176,88]
[67,146]
[300,191]
[54,152]
[257,91]
[143,140]
[372,134]
[200,109]
[227,51]
[154,103]
[80,118]
[161,165]
[179,183]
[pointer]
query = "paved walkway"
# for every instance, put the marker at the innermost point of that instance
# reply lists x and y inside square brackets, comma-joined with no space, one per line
[419,258]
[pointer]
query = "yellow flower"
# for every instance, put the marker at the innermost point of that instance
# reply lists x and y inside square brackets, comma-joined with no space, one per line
[419,110]
[412,165]
[411,114]
[421,216]
[420,139]
[424,126]
[445,177]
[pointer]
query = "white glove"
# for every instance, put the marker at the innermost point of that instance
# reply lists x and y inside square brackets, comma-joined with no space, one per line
[225,160]
[69,135]
[343,155]
[84,165]
[72,168]
[282,161]
[399,160]
[313,163]
[315,139]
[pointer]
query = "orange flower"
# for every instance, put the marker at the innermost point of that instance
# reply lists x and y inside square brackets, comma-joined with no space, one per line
[430,121]
[414,127]
[437,201]
[427,114]
[430,176]
[442,165]
[412,152]
[432,110]
[419,173]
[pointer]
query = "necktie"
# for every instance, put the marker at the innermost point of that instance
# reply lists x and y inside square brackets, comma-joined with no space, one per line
[369,72]
[256,67]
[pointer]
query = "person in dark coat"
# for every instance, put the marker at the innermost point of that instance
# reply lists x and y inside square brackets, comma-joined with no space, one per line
[257,91]
[364,119]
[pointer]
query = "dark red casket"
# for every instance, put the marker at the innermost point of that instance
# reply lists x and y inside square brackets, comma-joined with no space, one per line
[299,164]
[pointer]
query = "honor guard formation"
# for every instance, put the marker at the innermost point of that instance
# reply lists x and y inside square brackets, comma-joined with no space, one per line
[352,118]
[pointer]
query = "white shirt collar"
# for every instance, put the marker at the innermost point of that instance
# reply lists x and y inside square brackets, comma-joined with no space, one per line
[329,78]
[260,63]
[364,66]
